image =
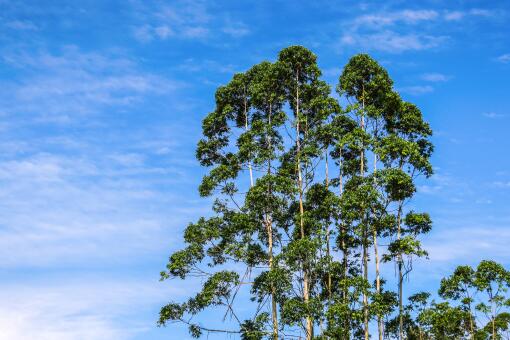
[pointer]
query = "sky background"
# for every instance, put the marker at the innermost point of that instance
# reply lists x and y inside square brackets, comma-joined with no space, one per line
[101,105]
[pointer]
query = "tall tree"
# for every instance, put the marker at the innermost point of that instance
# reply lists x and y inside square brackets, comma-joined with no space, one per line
[366,85]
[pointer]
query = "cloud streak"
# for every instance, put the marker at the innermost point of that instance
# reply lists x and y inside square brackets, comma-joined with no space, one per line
[435,77]
[504,58]
[61,87]
[70,309]
[185,20]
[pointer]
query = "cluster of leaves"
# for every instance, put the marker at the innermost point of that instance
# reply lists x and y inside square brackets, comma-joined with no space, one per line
[304,189]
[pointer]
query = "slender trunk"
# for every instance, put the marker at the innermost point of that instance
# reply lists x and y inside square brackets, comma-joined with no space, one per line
[306,292]
[471,324]
[400,278]
[376,255]
[269,224]
[246,129]
[365,276]
[274,312]
[377,283]
[328,250]
[364,230]
[493,310]
[274,315]
[343,245]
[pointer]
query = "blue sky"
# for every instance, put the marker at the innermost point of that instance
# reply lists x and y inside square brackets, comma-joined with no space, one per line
[100,111]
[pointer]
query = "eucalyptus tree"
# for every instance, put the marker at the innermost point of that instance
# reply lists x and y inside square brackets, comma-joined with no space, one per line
[366,85]
[405,152]
[310,104]
[241,134]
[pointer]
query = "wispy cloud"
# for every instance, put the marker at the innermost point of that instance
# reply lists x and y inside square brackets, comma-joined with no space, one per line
[392,18]
[502,184]
[70,309]
[184,19]
[435,77]
[493,115]
[392,42]
[504,58]
[459,15]
[392,32]
[417,90]
[236,29]
[60,209]
[474,243]
[402,30]
[59,86]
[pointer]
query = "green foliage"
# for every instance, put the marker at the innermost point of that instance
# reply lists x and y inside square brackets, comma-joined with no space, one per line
[303,188]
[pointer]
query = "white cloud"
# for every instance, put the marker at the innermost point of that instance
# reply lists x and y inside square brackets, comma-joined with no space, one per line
[502,184]
[481,12]
[402,30]
[391,32]
[459,15]
[88,308]
[454,15]
[236,30]
[163,31]
[493,115]
[391,18]
[144,33]
[184,19]
[474,243]
[392,42]
[60,210]
[435,77]
[417,90]
[61,87]
[504,58]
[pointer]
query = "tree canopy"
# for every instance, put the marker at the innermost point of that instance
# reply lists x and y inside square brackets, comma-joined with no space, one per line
[307,185]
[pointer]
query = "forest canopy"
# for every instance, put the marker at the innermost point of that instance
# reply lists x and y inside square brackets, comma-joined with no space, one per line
[311,191]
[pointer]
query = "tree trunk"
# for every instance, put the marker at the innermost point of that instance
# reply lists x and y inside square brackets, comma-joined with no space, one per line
[493,328]
[376,255]
[343,245]
[306,283]
[274,312]
[364,231]
[400,278]
[328,250]
[246,129]
[269,221]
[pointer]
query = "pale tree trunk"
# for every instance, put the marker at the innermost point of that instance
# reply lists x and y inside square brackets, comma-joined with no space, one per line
[328,250]
[471,323]
[343,245]
[306,283]
[246,129]
[376,255]
[274,312]
[400,277]
[493,311]
[269,227]
[364,231]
